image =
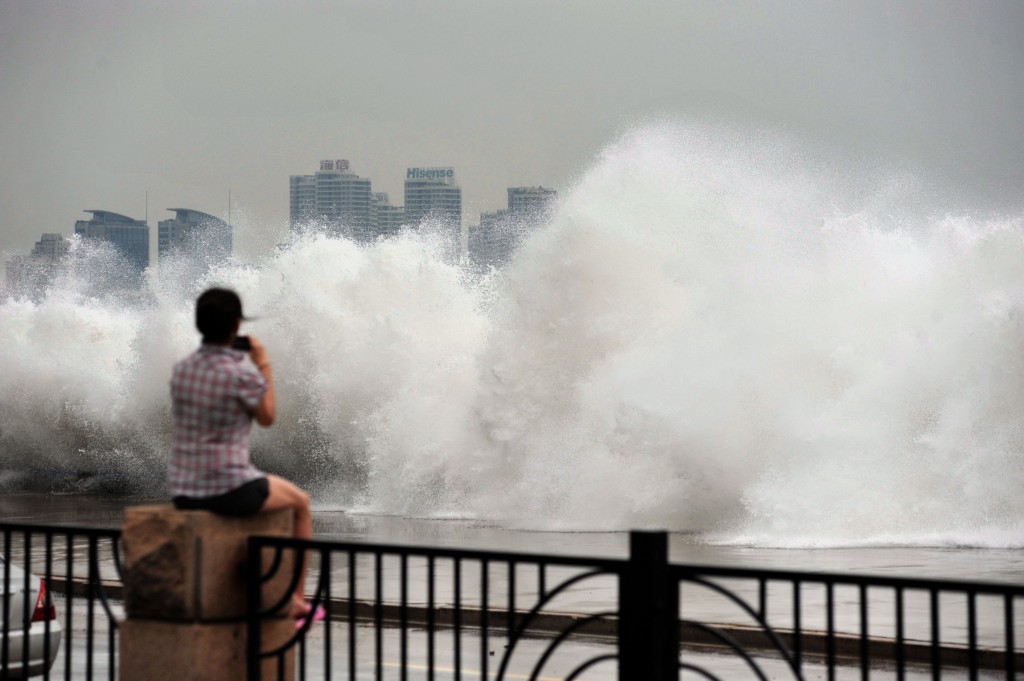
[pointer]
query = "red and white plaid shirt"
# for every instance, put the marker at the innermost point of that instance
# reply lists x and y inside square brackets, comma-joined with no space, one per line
[214,397]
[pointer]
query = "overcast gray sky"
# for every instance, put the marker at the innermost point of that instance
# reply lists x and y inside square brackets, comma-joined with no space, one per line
[102,101]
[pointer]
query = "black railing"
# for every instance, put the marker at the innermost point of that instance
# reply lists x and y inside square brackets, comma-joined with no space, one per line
[422,612]
[403,612]
[398,609]
[81,570]
[823,622]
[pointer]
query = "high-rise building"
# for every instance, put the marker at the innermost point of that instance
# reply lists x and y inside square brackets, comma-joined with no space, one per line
[195,233]
[531,200]
[127,235]
[29,276]
[333,198]
[495,239]
[51,248]
[432,193]
[385,218]
[491,243]
[301,200]
[18,275]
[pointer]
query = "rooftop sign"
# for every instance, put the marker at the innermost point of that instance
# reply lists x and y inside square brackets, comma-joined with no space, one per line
[339,165]
[439,174]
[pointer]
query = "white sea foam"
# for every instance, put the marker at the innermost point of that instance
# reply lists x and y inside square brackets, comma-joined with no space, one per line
[720,331]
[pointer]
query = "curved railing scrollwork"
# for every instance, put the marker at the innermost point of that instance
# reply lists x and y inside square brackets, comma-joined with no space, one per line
[730,642]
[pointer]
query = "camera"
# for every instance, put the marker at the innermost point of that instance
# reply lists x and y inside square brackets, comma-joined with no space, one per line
[241,343]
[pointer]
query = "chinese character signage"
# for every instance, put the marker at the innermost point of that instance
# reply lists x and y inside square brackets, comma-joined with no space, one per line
[338,165]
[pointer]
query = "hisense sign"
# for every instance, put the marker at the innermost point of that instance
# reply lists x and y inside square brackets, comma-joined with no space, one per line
[437,174]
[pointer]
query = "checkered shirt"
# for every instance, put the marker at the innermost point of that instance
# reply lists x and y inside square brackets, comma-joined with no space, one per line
[214,397]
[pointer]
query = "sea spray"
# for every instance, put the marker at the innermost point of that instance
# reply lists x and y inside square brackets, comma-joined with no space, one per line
[721,330]
[67,359]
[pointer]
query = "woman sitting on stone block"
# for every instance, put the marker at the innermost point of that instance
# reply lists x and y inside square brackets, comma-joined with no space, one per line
[216,396]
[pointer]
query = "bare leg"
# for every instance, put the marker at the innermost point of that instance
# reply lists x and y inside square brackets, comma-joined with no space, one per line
[284,494]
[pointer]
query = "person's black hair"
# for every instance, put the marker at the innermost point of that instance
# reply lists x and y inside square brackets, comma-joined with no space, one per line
[218,310]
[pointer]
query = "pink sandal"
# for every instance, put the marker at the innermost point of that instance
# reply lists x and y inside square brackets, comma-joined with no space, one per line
[312,615]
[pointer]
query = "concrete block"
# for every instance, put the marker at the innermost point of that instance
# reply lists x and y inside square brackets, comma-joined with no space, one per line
[189,566]
[153,650]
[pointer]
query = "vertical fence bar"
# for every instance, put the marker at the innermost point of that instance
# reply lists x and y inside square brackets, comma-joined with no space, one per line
[936,636]
[1011,653]
[352,615]
[901,661]
[511,616]
[865,655]
[485,568]
[302,638]
[48,572]
[798,635]
[648,612]
[69,594]
[457,618]
[431,618]
[90,625]
[5,642]
[299,558]
[830,630]
[972,636]
[325,569]
[404,617]
[378,613]
[26,544]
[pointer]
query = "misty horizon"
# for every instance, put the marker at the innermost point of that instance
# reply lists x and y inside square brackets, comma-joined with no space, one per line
[105,101]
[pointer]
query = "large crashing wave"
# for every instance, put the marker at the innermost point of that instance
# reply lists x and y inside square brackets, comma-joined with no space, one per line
[719,331]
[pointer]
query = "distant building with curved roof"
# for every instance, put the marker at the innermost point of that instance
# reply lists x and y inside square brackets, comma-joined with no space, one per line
[195,233]
[127,235]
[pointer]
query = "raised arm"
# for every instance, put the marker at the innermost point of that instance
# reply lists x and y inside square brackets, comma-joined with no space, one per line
[266,412]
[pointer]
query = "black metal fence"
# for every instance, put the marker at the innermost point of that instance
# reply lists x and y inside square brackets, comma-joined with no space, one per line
[399,612]
[418,612]
[81,570]
[443,613]
[880,626]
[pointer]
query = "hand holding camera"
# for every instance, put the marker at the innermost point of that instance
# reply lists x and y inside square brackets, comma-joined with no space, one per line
[257,353]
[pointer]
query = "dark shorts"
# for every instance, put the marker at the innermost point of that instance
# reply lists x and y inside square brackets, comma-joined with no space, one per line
[241,501]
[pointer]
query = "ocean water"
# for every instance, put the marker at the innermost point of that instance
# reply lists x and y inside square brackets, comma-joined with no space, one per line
[728,333]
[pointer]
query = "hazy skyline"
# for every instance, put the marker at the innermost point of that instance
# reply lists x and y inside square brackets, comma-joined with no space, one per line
[102,102]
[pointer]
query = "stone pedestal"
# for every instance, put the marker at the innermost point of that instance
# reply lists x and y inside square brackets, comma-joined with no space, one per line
[152,650]
[185,593]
